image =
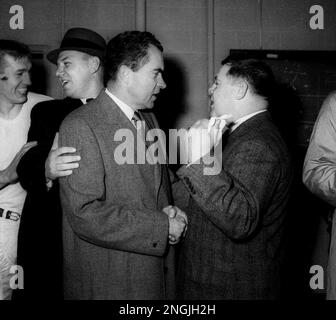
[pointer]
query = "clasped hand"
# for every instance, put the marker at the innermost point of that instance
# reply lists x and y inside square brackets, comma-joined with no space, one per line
[178,223]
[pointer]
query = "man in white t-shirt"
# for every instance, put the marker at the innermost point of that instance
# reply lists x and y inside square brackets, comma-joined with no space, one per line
[15,106]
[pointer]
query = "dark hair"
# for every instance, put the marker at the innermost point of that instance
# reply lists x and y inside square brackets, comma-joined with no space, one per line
[15,49]
[257,73]
[129,48]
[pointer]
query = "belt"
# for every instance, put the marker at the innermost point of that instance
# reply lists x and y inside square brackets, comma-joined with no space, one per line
[8,214]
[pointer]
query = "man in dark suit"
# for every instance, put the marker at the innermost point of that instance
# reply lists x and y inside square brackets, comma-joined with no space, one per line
[116,225]
[233,247]
[80,71]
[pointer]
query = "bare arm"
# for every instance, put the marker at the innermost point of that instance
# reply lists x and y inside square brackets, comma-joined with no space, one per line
[9,175]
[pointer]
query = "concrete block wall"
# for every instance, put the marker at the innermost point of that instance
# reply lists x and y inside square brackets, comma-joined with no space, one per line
[181,26]
[45,22]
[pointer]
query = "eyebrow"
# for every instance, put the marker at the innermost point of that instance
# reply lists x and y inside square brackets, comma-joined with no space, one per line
[64,58]
[21,70]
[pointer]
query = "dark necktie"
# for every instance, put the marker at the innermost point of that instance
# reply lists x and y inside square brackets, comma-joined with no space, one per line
[136,118]
[164,167]
[140,124]
[225,137]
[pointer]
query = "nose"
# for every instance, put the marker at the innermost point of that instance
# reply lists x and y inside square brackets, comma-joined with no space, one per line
[162,83]
[27,80]
[59,71]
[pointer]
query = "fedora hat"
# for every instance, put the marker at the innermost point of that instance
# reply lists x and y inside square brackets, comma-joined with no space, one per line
[80,39]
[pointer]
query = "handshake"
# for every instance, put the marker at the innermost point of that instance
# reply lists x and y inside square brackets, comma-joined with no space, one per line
[178,223]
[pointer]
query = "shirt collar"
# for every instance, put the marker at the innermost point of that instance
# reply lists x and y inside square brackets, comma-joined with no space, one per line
[84,101]
[126,109]
[245,118]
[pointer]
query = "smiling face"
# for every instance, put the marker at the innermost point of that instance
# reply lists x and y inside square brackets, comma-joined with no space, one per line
[146,83]
[15,79]
[221,94]
[74,73]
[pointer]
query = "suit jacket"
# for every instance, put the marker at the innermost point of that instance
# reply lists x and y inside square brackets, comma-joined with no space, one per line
[233,247]
[114,232]
[39,239]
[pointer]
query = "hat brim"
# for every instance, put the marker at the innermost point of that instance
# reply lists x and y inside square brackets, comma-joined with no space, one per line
[52,56]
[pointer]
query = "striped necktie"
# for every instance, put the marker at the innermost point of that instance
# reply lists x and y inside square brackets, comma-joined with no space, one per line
[136,118]
[140,123]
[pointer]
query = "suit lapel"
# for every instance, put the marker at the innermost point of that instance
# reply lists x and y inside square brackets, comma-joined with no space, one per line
[113,115]
[150,122]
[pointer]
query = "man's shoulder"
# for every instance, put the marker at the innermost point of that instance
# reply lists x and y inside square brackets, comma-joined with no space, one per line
[329,104]
[261,134]
[332,96]
[255,128]
[90,112]
[97,113]
[55,107]
[36,98]
[83,114]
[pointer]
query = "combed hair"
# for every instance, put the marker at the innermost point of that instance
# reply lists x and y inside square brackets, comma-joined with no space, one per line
[129,48]
[257,73]
[13,48]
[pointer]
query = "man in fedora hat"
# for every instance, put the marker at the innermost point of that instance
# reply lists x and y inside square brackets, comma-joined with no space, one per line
[79,63]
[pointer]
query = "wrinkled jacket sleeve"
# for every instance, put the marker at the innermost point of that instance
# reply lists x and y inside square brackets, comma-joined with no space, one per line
[319,170]
[234,200]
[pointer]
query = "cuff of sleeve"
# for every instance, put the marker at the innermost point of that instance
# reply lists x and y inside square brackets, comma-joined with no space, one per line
[49,184]
[159,238]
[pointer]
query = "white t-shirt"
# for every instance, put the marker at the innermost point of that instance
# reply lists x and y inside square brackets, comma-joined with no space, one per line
[13,135]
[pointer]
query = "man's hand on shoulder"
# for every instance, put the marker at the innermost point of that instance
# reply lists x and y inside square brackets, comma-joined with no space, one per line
[58,163]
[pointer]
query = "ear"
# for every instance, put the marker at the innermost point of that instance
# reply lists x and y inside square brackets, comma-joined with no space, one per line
[241,87]
[124,74]
[94,64]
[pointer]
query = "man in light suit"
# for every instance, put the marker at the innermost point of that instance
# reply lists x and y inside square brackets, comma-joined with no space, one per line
[233,247]
[319,175]
[116,218]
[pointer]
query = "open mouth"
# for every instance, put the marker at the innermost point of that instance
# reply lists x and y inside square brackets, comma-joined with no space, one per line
[23,91]
[64,82]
